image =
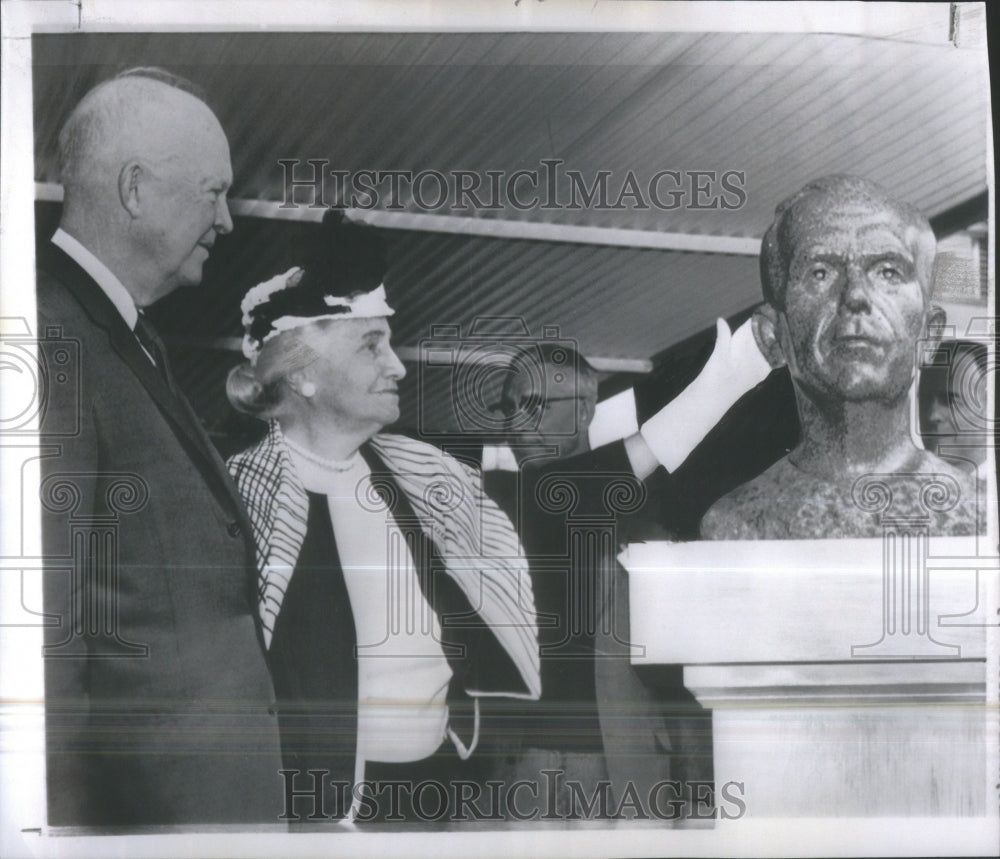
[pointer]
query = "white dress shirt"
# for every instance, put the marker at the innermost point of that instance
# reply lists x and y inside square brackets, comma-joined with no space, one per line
[110,285]
[102,275]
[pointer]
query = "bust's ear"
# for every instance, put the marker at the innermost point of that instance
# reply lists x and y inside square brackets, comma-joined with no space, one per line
[764,324]
[933,333]
[934,324]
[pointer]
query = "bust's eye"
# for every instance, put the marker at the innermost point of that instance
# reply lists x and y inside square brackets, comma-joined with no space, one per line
[818,273]
[889,272]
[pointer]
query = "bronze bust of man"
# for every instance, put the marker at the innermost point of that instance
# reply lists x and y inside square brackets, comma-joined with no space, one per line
[847,272]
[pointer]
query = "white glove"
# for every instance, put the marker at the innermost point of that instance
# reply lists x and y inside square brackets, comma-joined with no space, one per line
[614,418]
[735,367]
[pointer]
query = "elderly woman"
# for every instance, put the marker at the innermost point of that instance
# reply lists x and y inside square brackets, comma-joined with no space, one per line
[392,591]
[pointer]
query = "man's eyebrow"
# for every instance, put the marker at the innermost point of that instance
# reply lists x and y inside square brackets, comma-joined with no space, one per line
[373,335]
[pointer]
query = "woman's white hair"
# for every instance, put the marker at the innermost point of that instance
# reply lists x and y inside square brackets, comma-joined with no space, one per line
[259,389]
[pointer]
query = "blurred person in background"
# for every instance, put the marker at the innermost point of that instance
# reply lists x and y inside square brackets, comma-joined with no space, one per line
[954,406]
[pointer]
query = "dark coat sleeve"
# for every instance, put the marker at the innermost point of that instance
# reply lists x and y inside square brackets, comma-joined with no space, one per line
[652,727]
[754,434]
[68,434]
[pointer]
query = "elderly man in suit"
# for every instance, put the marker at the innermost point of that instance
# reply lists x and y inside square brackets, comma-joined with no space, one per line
[159,705]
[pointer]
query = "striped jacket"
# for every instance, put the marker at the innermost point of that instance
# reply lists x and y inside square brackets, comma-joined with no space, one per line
[472,537]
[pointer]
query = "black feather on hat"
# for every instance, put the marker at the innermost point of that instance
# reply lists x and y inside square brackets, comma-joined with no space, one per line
[342,260]
[346,259]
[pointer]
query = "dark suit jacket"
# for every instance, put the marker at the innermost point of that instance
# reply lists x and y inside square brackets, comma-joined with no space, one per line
[159,706]
[572,515]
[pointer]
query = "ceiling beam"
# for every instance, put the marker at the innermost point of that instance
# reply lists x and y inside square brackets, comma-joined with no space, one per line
[601,364]
[494,228]
[414,354]
[966,213]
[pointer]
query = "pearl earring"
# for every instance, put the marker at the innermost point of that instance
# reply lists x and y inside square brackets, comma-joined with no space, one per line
[308,389]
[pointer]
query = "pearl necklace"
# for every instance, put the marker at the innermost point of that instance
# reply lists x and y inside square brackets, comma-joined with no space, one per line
[338,465]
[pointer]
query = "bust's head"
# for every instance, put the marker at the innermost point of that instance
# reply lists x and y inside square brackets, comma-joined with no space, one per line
[847,272]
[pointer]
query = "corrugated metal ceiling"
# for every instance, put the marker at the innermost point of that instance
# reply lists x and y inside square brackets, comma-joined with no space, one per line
[780,108]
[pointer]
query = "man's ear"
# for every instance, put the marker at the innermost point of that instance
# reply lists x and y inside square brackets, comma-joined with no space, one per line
[129,180]
[764,324]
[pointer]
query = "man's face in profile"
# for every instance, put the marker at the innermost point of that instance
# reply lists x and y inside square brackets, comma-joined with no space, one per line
[188,207]
[854,305]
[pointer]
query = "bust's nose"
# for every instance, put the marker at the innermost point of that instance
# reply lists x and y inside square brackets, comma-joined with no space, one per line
[856,297]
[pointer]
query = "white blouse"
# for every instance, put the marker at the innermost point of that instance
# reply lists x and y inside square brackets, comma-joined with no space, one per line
[403,674]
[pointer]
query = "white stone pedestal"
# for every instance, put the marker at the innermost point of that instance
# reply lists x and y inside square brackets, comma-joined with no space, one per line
[843,681]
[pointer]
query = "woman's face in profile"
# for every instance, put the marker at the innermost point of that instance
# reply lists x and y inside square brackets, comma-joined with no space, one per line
[356,373]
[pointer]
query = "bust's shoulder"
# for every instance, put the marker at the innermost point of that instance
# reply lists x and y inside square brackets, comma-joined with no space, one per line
[752,511]
[931,464]
[787,503]
[957,498]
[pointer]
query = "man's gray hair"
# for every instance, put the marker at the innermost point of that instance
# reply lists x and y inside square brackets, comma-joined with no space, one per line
[84,132]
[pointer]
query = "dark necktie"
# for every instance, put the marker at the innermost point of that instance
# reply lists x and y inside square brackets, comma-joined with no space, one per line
[146,334]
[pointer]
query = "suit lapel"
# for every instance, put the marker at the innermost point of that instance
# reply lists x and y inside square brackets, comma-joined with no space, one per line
[170,401]
[184,417]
